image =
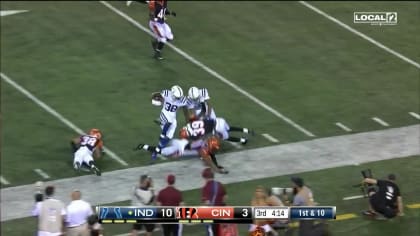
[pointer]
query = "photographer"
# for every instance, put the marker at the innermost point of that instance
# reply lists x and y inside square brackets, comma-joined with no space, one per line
[386,200]
[143,195]
[95,227]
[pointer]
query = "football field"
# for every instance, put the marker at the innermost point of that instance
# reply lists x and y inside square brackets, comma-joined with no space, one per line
[291,71]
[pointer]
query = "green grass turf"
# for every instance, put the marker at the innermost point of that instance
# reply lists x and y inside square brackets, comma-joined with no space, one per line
[329,187]
[95,68]
[403,37]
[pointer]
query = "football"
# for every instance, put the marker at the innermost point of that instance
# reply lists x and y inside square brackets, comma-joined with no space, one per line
[157,99]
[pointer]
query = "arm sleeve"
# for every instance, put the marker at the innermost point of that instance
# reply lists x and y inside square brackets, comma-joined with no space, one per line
[380,182]
[37,209]
[298,201]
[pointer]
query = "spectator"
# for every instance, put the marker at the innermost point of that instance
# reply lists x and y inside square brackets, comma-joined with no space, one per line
[170,196]
[272,199]
[143,195]
[261,199]
[78,212]
[386,200]
[303,194]
[304,197]
[51,214]
[213,193]
[94,226]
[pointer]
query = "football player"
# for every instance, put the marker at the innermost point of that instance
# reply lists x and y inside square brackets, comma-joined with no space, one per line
[87,146]
[161,30]
[205,148]
[170,100]
[199,105]
[223,130]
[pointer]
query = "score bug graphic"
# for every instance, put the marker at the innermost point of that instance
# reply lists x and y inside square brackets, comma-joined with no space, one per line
[187,213]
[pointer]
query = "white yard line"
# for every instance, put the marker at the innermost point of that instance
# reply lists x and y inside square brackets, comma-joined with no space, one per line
[212,72]
[236,145]
[381,122]
[353,197]
[270,138]
[11,12]
[42,173]
[345,128]
[56,114]
[380,45]
[4,181]
[415,115]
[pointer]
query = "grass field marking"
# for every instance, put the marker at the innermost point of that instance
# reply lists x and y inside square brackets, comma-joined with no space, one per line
[11,12]
[42,173]
[415,115]
[347,216]
[270,138]
[212,72]
[381,122]
[4,181]
[353,197]
[380,45]
[56,114]
[235,145]
[345,128]
[413,206]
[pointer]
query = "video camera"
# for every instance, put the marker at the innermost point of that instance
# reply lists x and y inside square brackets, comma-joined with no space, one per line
[283,193]
[364,186]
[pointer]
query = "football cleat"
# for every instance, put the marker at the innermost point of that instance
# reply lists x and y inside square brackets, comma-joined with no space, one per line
[222,170]
[158,55]
[369,213]
[96,170]
[76,166]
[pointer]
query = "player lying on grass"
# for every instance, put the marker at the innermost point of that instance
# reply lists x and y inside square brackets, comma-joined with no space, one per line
[85,148]
[206,148]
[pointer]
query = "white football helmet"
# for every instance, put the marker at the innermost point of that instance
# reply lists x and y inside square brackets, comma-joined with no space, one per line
[177,91]
[194,93]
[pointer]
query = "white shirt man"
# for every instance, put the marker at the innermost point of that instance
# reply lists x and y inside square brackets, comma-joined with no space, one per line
[51,213]
[77,213]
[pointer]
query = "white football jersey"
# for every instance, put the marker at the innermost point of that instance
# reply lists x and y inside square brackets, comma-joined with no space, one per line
[170,106]
[196,105]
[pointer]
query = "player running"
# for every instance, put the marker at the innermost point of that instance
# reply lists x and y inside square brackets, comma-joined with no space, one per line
[170,100]
[85,148]
[161,30]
